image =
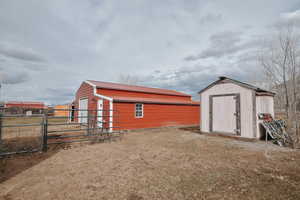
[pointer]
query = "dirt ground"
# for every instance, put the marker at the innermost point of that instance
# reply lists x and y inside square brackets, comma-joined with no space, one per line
[158,164]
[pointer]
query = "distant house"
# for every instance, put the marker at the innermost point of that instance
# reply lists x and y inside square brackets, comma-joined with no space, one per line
[232,107]
[25,104]
[28,107]
[62,110]
[122,106]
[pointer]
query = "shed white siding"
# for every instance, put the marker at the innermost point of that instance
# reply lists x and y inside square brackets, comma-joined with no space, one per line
[246,106]
[264,104]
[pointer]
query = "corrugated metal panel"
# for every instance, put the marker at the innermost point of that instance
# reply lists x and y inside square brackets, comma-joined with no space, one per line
[154,100]
[156,115]
[85,91]
[118,86]
[134,94]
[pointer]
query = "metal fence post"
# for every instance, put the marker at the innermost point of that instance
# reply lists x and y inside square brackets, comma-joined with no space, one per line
[88,123]
[45,131]
[1,115]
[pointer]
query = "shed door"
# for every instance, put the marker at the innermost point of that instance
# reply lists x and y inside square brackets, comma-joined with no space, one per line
[224,114]
[83,110]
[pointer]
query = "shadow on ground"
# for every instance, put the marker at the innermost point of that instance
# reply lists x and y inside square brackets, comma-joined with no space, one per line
[15,164]
[197,130]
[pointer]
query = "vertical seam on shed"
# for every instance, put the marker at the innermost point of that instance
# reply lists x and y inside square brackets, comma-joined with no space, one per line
[210,114]
[254,114]
[239,115]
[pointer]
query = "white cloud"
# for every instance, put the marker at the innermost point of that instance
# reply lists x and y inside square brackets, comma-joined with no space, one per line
[295,15]
[59,43]
[21,53]
[289,18]
[13,78]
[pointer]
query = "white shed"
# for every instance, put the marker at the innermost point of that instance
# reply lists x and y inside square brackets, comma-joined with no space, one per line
[232,107]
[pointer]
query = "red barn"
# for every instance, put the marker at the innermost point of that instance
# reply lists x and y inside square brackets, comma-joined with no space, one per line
[25,104]
[122,106]
[24,107]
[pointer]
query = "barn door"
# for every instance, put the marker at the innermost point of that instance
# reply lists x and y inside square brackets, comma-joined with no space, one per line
[83,111]
[225,113]
[100,113]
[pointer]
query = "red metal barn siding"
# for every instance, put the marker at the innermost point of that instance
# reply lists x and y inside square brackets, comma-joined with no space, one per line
[112,93]
[156,115]
[85,91]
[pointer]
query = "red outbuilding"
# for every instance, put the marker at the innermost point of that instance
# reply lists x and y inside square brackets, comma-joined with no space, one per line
[122,106]
[25,104]
[24,107]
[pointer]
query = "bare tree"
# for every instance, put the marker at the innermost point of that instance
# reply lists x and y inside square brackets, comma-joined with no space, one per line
[128,79]
[281,62]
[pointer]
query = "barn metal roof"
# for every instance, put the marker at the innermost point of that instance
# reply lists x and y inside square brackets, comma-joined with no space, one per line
[135,88]
[223,79]
[25,102]
[154,100]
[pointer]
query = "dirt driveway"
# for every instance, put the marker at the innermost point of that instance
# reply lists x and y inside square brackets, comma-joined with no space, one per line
[162,164]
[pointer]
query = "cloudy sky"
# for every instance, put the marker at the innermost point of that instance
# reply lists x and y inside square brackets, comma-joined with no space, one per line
[47,48]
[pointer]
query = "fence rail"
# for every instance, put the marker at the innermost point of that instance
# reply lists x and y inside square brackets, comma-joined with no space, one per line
[23,133]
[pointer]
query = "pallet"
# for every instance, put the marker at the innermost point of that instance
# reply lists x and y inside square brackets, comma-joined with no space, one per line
[276,130]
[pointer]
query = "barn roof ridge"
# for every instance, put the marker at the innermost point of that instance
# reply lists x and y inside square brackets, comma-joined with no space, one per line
[136,88]
[242,84]
[154,100]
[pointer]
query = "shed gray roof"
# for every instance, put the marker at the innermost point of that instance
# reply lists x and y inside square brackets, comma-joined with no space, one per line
[223,79]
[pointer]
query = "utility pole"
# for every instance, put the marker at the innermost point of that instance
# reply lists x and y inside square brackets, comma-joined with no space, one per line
[0,117]
[0,95]
[2,103]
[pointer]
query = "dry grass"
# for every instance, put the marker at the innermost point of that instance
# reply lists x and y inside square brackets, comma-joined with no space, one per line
[27,138]
[30,120]
[31,131]
[162,164]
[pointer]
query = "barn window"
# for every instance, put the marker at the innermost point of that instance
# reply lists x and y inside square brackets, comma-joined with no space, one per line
[139,110]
